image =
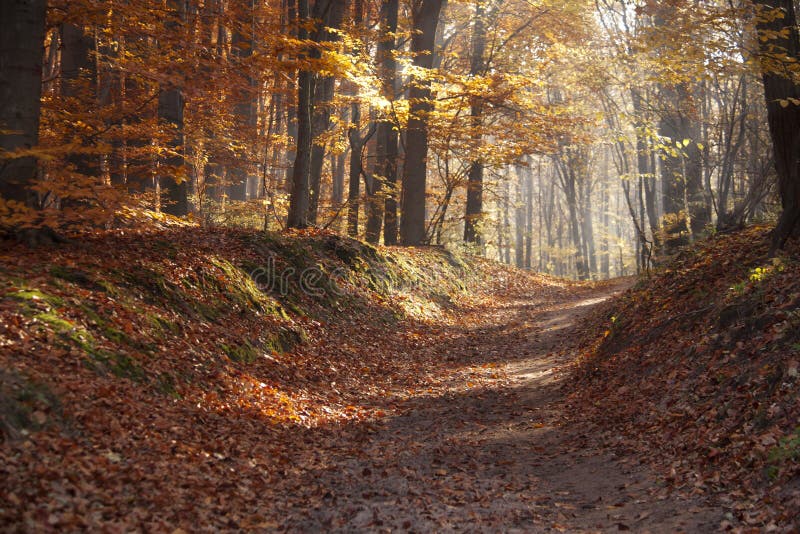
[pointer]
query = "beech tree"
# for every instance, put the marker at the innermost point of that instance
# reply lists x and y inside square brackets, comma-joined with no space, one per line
[170,111]
[425,15]
[255,113]
[474,207]
[21,43]
[323,95]
[299,201]
[780,52]
[387,156]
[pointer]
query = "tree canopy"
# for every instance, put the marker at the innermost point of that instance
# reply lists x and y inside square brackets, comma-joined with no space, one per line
[581,138]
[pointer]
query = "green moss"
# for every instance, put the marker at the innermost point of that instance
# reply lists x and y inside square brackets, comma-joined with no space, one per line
[92,316]
[117,336]
[244,353]
[109,288]
[772,472]
[345,254]
[208,312]
[51,319]
[249,267]
[292,307]
[156,289]
[785,452]
[456,261]
[289,252]
[281,341]
[285,339]
[105,328]
[99,359]
[67,330]
[240,287]
[34,295]
[118,364]
[161,325]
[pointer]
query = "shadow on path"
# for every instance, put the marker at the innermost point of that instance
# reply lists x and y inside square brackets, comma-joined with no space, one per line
[487,459]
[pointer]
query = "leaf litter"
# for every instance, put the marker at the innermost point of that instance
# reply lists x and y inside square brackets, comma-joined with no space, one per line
[150,383]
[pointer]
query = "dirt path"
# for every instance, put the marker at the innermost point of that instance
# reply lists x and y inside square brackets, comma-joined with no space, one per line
[488,459]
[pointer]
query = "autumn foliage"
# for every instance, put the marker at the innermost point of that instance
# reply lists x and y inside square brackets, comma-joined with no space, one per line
[185,331]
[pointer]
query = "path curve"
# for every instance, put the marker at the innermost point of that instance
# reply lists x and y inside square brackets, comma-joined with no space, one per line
[490,459]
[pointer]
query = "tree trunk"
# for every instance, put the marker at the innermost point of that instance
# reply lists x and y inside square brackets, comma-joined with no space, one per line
[645,171]
[412,227]
[170,110]
[291,105]
[569,182]
[77,68]
[474,207]
[519,219]
[76,58]
[299,198]
[783,110]
[559,242]
[506,230]
[21,42]
[529,217]
[387,138]
[354,179]
[548,208]
[575,235]
[681,168]
[356,146]
[605,268]
[323,94]
[332,14]
[587,229]
[245,115]
[337,171]
[374,201]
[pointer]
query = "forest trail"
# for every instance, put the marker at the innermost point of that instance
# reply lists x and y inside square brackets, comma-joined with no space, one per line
[497,458]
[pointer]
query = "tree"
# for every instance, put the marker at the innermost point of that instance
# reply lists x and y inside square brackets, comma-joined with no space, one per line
[76,56]
[245,109]
[388,138]
[21,43]
[299,200]
[474,207]
[780,52]
[412,226]
[681,168]
[383,203]
[572,167]
[170,111]
[356,139]
[323,95]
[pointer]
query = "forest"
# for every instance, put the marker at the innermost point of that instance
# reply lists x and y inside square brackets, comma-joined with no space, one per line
[578,139]
[399,265]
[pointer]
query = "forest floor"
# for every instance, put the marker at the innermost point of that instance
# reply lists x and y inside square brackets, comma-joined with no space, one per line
[176,379]
[499,458]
